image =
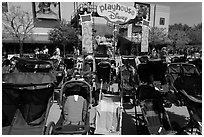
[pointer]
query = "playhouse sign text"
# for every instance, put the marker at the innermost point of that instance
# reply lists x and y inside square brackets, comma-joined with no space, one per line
[116,13]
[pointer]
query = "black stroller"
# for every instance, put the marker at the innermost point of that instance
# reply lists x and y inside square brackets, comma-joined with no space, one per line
[151,101]
[186,82]
[26,101]
[154,115]
[103,76]
[75,98]
[70,63]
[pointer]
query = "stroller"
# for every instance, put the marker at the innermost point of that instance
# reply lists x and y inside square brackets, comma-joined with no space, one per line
[150,100]
[103,75]
[155,117]
[186,82]
[69,62]
[128,80]
[75,99]
[26,101]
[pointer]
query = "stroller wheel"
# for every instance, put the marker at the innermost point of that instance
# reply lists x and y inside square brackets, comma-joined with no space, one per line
[49,129]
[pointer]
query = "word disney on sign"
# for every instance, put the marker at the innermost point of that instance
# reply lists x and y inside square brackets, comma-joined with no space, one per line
[116,13]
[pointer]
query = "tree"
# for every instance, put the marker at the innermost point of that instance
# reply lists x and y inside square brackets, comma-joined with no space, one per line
[64,34]
[180,27]
[178,38]
[186,35]
[158,36]
[195,34]
[18,25]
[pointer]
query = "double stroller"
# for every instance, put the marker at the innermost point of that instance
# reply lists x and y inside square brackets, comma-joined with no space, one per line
[154,118]
[26,101]
[186,83]
[74,100]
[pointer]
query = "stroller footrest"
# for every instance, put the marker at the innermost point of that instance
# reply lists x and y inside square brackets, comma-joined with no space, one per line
[71,129]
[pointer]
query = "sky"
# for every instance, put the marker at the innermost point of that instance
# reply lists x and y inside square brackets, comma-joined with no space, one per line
[189,13]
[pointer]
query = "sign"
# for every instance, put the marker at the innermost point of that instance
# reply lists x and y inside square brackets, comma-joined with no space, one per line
[86,18]
[143,13]
[47,10]
[145,42]
[116,13]
[87,35]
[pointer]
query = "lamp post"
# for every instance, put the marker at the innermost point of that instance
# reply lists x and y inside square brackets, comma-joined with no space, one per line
[114,36]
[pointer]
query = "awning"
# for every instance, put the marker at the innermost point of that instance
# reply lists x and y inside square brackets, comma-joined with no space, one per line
[37,38]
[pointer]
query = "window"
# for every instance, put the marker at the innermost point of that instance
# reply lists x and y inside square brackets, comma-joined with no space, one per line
[162,21]
[4,7]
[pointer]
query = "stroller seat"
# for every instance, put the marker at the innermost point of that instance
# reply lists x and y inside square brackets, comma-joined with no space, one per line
[156,119]
[74,116]
[75,108]
[127,77]
[152,116]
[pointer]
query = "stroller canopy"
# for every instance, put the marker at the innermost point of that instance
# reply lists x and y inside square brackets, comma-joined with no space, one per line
[76,87]
[176,70]
[185,76]
[103,70]
[28,78]
[29,93]
[157,69]
[32,65]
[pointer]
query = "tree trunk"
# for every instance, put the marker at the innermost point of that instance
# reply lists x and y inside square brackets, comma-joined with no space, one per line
[64,49]
[21,48]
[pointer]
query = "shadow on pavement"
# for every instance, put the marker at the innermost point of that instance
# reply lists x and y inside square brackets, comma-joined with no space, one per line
[128,125]
[180,119]
[177,122]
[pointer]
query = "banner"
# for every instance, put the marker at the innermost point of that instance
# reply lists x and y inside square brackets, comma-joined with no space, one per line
[116,13]
[47,10]
[145,42]
[86,23]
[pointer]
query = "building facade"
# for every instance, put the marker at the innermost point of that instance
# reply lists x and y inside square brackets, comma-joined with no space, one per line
[158,17]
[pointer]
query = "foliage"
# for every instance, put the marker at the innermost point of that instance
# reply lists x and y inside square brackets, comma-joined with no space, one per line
[178,38]
[64,34]
[180,27]
[158,36]
[195,34]
[17,24]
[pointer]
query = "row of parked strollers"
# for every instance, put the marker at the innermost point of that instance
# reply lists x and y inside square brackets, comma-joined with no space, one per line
[29,91]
